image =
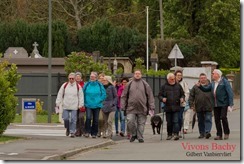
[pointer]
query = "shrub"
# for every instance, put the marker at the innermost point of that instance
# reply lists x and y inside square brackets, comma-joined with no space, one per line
[8,81]
[83,62]
[39,105]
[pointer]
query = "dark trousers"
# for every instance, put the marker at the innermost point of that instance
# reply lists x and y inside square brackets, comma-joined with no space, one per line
[92,114]
[220,114]
[80,124]
[180,115]
[172,119]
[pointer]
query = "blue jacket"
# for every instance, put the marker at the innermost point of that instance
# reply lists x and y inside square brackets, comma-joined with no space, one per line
[94,94]
[224,93]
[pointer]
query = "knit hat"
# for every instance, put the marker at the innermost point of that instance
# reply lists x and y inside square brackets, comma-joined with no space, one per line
[109,78]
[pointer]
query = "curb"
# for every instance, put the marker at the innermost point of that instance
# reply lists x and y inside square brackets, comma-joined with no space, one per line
[69,153]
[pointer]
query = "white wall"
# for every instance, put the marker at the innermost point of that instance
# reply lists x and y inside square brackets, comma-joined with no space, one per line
[191,74]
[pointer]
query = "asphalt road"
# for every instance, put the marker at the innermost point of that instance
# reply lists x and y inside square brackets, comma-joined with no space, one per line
[190,148]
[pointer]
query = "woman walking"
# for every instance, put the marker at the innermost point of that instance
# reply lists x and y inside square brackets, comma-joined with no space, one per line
[94,95]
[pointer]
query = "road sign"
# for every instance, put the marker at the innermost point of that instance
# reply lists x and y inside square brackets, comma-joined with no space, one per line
[30,105]
[175,53]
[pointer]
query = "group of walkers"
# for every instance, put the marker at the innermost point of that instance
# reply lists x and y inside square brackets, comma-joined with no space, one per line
[90,108]
[205,98]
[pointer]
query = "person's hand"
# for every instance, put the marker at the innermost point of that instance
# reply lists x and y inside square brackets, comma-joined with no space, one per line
[193,109]
[57,109]
[230,108]
[198,84]
[82,109]
[151,112]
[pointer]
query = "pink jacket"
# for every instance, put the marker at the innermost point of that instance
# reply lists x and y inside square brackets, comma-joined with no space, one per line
[119,93]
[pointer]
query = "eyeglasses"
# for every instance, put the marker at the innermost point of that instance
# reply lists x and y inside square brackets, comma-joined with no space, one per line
[71,78]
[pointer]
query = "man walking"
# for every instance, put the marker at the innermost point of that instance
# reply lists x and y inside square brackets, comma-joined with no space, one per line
[223,101]
[137,99]
[172,95]
[203,104]
[70,96]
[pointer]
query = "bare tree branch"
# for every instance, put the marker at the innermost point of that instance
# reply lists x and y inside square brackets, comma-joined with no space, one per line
[57,1]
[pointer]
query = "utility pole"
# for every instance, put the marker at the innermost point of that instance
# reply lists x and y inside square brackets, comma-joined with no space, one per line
[161,20]
[147,37]
[49,60]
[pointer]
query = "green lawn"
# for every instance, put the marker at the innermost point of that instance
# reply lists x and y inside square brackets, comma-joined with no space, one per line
[39,119]
[8,138]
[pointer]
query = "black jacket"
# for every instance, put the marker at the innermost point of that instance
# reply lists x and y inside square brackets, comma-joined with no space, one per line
[202,101]
[173,93]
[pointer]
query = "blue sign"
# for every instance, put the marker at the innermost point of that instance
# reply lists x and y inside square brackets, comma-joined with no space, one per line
[29,105]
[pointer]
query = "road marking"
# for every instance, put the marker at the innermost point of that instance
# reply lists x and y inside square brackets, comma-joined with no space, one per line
[48,126]
[40,132]
[13,153]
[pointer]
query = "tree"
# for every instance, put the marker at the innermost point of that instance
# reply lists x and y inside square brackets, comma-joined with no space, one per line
[77,10]
[8,81]
[139,65]
[217,23]
[107,38]
[84,63]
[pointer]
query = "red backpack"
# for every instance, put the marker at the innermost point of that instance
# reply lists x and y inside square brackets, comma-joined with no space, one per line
[65,85]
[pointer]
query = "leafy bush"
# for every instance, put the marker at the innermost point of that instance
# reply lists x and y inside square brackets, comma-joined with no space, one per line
[139,65]
[39,105]
[229,70]
[84,63]
[8,81]
[152,72]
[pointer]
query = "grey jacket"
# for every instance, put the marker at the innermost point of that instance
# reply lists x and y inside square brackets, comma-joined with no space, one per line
[110,103]
[137,98]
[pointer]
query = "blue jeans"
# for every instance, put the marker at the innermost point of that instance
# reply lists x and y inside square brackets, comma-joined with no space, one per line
[119,115]
[172,119]
[94,115]
[204,122]
[70,118]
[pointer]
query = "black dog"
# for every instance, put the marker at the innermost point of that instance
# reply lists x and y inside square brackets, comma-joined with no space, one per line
[156,122]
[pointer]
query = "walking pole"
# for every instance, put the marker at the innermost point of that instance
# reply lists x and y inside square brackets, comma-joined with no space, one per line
[183,118]
[162,110]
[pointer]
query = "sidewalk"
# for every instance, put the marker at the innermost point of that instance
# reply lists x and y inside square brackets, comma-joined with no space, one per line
[48,141]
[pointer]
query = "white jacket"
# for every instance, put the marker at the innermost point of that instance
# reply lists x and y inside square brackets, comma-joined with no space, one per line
[186,90]
[70,98]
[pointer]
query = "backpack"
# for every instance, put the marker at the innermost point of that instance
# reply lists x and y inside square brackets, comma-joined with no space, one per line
[100,85]
[127,97]
[77,85]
